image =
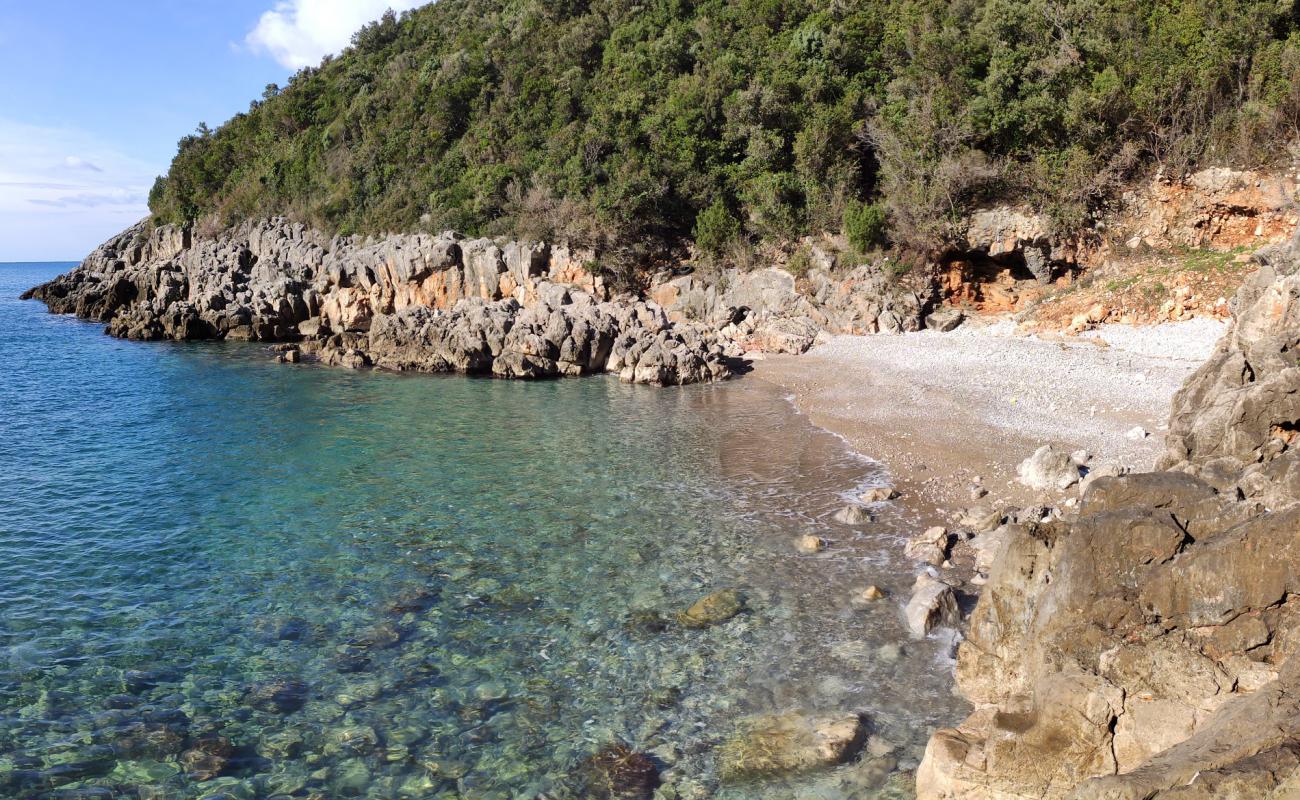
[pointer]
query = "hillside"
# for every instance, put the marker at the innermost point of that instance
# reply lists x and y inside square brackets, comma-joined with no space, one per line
[628,125]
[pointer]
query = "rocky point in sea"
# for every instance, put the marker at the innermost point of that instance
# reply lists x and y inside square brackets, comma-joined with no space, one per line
[410,302]
[446,303]
[1144,646]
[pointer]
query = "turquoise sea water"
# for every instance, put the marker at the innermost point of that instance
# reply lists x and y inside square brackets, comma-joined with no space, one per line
[225,578]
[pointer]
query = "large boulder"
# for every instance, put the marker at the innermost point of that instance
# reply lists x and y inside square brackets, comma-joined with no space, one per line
[1048,469]
[933,604]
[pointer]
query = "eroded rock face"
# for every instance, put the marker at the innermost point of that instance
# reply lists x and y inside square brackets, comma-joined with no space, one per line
[1235,421]
[1144,649]
[769,310]
[1010,233]
[407,302]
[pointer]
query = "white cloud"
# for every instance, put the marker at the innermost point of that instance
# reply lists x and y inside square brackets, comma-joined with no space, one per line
[77,162]
[299,33]
[63,191]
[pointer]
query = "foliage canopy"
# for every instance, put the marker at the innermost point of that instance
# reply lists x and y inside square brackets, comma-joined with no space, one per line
[613,121]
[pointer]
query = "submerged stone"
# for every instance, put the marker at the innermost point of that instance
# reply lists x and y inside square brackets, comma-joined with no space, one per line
[788,743]
[619,773]
[377,637]
[208,758]
[356,739]
[853,514]
[278,696]
[713,609]
[492,691]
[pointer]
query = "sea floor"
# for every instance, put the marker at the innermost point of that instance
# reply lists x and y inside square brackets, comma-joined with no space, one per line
[222,577]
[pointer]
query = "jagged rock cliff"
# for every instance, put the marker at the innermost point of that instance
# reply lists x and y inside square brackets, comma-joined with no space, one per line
[446,303]
[408,302]
[1143,648]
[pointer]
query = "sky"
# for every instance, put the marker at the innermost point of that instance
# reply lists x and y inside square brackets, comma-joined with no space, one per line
[94,95]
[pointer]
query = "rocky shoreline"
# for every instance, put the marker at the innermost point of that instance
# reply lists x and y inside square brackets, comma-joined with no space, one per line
[1134,640]
[417,303]
[1133,633]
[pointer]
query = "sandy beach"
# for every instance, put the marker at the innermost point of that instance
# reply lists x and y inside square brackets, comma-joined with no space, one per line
[943,410]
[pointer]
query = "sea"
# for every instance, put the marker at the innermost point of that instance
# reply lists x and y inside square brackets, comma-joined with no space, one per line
[227,578]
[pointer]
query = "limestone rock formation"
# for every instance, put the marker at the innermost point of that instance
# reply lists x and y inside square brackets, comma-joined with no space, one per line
[932,604]
[770,310]
[405,302]
[1144,648]
[929,547]
[1235,420]
[1010,234]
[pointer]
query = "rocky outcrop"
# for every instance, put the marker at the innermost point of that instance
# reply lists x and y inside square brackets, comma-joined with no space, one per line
[1236,419]
[1019,238]
[1143,647]
[1218,208]
[770,310]
[406,302]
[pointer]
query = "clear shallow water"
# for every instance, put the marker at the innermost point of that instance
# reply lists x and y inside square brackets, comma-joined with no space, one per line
[222,577]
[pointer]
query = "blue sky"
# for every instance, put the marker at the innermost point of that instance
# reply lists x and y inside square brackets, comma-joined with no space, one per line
[94,96]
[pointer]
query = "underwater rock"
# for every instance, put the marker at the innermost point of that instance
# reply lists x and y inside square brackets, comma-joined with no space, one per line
[787,743]
[351,659]
[713,609]
[416,598]
[136,681]
[280,744]
[647,621]
[377,637]
[279,629]
[146,740]
[277,697]
[619,773]
[207,758]
[491,692]
[358,693]
[354,739]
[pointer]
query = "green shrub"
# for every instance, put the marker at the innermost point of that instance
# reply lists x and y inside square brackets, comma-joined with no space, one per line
[716,229]
[800,263]
[866,226]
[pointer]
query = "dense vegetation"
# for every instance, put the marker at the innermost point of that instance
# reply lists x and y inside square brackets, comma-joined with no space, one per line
[620,123]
